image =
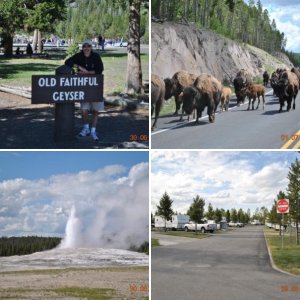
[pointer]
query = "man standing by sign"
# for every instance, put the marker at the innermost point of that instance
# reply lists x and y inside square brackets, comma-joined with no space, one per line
[88,62]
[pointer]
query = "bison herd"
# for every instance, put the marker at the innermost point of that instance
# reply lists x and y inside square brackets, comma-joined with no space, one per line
[194,93]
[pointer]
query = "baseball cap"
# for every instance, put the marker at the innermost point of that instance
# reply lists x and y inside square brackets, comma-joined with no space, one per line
[87,43]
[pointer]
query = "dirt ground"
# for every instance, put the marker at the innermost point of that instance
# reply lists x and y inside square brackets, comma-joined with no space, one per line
[128,283]
[27,126]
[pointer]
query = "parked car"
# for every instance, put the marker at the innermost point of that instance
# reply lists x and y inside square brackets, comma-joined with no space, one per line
[203,227]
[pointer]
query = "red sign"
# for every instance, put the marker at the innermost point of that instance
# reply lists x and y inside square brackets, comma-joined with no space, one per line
[282,206]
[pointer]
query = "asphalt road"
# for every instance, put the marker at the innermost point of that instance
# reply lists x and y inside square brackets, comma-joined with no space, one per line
[230,266]
[235,129]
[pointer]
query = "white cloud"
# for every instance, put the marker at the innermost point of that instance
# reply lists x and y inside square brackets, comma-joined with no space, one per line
[226,179]
[286,15]
[104,199]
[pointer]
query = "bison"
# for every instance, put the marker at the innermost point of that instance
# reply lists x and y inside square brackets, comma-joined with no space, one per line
[288,86]
[157,96]
[255,91]
[206,91]
[266,77]
[176,84]
[225,98]
[240,82]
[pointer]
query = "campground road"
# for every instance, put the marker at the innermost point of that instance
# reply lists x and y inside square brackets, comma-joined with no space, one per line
[235,129]
[229,266]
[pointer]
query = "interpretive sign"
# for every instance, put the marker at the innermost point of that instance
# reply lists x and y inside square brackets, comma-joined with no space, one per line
[66,88]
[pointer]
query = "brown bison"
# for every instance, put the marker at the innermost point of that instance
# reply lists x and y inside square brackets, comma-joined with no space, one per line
[296,71]
[157,96]
[255,91]
[206,91]
[266,78]
[176,84]
[225,98]
[288,86]
[240,82]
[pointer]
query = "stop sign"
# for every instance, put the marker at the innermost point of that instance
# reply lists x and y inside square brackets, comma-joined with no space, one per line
[282,206]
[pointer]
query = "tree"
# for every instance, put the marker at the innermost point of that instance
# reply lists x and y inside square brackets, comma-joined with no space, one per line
[210,212]
[12,15]
[196,210]
[164,209]
[228,216]
[28,15]
[294,194]
[234,216]
[134,68]
[218,215]
[42,15]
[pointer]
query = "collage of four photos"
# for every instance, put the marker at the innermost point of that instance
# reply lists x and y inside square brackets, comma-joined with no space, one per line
[149,149]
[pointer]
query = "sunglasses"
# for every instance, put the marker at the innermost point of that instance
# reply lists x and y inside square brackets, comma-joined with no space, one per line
[86,46]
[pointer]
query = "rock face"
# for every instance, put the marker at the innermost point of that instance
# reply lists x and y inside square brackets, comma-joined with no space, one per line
[176,47]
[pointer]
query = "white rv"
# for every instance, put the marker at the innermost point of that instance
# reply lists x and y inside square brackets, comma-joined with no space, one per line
[177,222]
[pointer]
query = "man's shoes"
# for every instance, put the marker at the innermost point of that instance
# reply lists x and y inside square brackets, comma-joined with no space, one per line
[84,132]
[94,136]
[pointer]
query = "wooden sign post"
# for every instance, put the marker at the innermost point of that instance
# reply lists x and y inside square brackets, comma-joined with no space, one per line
[64,89]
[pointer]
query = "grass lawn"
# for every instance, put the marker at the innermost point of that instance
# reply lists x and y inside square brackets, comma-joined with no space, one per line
[185,234]
[288,258]
[155,243]
[168,108]
[17,72]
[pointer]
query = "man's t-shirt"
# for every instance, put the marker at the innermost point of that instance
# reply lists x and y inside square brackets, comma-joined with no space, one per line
[91,63]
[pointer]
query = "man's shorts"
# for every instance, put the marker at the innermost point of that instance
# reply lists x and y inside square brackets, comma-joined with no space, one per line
[92,106]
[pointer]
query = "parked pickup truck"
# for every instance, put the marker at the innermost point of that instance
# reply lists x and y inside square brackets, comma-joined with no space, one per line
[203,227]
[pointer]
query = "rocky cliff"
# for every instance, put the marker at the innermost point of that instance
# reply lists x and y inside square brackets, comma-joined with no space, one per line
[177,47]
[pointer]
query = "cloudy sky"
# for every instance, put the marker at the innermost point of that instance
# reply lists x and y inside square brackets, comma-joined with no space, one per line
[39,189]
[287,17]
[226,179]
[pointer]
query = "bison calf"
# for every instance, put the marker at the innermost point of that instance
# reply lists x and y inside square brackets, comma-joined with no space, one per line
[255,91]
[225,98]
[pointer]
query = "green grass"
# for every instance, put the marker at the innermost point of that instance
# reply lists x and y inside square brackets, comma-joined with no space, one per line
[288,257]
[18,72]
[78,292]
[168,108]
[87,293]
[155,243]
[185,234]
[60,271]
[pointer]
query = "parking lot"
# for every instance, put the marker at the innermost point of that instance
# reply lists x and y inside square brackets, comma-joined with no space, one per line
[233,265]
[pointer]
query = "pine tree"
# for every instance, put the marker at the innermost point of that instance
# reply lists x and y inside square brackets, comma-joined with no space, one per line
[164,209]
[196,210]
[210,212]
[294,194]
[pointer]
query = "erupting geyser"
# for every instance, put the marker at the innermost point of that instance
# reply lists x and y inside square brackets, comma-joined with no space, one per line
[73,231]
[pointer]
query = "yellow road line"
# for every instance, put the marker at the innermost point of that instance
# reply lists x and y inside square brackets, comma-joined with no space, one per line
[293,138]
[297,146]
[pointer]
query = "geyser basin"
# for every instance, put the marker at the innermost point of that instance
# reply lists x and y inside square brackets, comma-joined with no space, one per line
[74,258]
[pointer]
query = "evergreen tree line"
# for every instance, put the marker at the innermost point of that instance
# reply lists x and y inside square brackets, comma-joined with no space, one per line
[235,19]
[197,212]
[294,57]
[90,18]
[26,244]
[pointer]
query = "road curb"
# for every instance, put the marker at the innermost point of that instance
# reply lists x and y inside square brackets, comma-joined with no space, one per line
[273,264]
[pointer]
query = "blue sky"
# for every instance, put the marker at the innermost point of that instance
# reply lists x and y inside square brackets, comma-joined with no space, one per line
[37,164]
[39,189]
[246,179]
[287,17]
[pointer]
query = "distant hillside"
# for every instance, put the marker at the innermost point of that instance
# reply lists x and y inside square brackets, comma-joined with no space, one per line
[184,47]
